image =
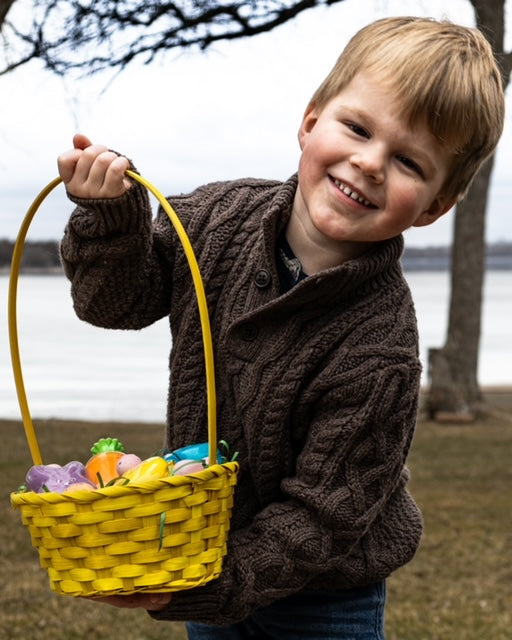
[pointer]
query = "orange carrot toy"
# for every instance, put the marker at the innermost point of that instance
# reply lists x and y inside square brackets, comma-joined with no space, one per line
[101,468]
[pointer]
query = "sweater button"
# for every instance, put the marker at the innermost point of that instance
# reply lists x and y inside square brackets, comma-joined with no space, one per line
[249,331]
[262,278]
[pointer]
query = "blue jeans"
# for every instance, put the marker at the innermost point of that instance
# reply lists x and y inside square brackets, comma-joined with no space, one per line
[356,614]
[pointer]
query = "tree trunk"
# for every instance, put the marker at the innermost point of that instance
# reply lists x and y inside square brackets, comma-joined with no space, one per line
[454,392]
[454,387]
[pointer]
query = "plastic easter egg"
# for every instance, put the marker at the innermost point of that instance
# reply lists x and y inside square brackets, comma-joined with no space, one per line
[80,486]
[192,452]
[184,467]
[127,462]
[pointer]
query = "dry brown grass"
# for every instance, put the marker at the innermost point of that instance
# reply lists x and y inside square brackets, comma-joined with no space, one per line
[459,586]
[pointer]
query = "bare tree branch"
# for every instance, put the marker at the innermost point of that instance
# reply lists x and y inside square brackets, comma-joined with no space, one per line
[5,5]
[93,35]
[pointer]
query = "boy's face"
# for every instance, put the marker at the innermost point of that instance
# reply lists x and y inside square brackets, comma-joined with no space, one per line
[364,174]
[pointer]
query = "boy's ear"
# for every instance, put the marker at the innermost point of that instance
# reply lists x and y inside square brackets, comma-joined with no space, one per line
[438,208]
[308,122]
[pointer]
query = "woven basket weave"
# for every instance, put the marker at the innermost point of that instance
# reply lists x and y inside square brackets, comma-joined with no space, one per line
[154,536]
[164,535]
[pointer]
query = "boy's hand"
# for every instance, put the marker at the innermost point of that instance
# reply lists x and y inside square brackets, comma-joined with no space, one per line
[92,171]
[148,601]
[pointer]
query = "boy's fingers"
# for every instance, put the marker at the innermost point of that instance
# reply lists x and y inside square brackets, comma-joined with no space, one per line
[117,170]
[76,163]
[157,601]
[96,166]
[66,164]
[148,601]
[93,171]
[90,169]
[80,141]
[107,174]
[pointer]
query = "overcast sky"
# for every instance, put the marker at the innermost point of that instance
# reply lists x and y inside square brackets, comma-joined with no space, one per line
[194,117]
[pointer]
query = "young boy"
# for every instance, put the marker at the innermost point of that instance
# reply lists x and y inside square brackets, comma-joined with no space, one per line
[314,329]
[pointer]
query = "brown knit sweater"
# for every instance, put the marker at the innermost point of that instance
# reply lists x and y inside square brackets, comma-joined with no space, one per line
[317,388]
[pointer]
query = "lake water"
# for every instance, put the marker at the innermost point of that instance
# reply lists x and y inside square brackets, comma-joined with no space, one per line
[74,370]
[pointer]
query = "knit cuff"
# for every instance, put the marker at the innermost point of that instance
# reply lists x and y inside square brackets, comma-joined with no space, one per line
[129,213]
[199,604]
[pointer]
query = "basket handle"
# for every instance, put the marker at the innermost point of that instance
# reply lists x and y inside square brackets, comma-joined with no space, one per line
[201,302]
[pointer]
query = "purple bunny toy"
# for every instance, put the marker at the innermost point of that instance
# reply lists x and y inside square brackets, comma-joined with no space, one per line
[52,477]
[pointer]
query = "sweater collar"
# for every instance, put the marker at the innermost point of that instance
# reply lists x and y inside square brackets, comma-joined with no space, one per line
[375,268]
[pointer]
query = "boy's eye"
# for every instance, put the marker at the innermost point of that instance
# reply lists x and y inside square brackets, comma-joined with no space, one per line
[410,164]
[359,131]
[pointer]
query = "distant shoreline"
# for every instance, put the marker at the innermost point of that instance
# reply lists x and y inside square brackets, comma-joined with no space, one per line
[499,397]
[409,266]
[34,271]
[42,258]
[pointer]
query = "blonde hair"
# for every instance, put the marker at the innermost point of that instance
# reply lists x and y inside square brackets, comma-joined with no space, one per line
[445,76]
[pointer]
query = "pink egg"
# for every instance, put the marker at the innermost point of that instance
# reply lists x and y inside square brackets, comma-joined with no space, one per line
[184,467]
[127,462]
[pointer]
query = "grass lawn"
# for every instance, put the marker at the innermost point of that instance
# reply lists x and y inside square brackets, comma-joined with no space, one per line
[459,586]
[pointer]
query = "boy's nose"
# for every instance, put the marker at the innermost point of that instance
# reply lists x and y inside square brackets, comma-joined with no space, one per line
[370,161]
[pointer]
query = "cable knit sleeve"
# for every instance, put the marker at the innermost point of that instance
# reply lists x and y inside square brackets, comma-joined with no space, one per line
[117,261]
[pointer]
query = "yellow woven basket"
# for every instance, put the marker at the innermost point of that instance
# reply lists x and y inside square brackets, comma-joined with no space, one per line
[153,536]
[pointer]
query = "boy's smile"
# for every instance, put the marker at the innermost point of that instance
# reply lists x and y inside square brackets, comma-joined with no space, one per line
[365,175]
